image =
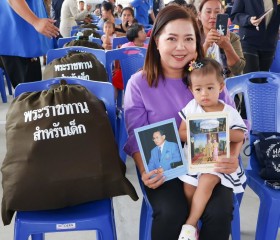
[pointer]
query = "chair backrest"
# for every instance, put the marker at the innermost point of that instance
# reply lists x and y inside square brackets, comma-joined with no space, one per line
[102,90]
[60,52]
[262,101]
[131,60]
[275,66]
[62,41]
[119,41]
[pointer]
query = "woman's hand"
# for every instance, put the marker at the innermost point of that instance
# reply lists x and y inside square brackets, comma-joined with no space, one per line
[212,37]
[227,165]
[224,41]
[155,181]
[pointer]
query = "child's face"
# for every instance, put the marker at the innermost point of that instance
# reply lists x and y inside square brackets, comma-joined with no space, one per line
[206,89]
[108,28]
[142,36]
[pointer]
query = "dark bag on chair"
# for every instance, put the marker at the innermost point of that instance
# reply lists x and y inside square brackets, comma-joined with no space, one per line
[61,152]
[266,147]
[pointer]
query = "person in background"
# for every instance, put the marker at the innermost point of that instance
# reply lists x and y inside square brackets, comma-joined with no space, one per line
[56,11]
[143,9]
[69,15]
[107,13]
[157,6]
[109,34]
[206,82]
[118,10]
[127,17]
[227,49]
[25,38]
[258,36]
[158,93]
[81,5]
[136,36]
[97,10]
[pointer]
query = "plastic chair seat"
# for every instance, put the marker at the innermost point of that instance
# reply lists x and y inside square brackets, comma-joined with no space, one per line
[97,215]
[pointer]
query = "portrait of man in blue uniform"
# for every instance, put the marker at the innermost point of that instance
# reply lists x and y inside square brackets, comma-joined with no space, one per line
[165,154]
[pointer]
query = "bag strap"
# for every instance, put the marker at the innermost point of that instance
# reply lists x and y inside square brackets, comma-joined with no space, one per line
[245,150]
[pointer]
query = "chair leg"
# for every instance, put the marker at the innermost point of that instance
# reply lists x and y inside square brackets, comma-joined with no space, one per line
[39,236]
[235,223]
[9,84]
[145,222]
[2,87]
[268,220]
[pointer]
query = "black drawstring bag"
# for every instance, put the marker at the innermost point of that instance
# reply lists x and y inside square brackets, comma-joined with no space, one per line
[61,151]
[266,147]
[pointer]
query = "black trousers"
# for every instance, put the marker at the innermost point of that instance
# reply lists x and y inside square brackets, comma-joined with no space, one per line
[170,212]
[20,69]
[257,60]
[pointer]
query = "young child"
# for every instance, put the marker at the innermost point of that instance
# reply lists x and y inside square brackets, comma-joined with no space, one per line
[206,82]
[107,38]
[136,36]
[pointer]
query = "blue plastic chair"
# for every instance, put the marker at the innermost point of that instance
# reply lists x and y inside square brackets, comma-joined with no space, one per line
[4,76]
[262,103]
[97,215]
[275,66]
[131,60]
[117,41]
[60,52]
[62,41]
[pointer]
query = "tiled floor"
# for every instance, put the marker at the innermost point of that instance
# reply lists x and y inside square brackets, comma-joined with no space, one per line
[126,210]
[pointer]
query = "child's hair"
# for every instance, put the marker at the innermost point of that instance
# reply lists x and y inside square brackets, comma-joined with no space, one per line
[133,30]
[205,66]
[109,23]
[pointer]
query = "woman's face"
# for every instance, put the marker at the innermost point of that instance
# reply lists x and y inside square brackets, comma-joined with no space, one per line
[177,47]
[127,17]
[208,14]
[105,14]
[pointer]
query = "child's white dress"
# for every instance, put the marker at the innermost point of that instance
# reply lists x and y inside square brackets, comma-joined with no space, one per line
[234,180]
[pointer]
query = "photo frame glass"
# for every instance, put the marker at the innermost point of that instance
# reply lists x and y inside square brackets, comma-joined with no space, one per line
[208,141]
[160,148]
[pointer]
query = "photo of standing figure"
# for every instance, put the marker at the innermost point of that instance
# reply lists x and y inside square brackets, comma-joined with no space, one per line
[208,150]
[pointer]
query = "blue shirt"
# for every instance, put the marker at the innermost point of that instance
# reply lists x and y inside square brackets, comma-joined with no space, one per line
[142,8]
[18,37]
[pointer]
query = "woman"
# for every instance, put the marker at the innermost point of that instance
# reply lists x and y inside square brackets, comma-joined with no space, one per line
[225,49]
[107,10]
[69,15]
[258,36]
[158,93]
[127,17]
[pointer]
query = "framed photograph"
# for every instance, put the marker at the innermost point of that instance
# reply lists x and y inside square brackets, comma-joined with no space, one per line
[161,148]
[208,140]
